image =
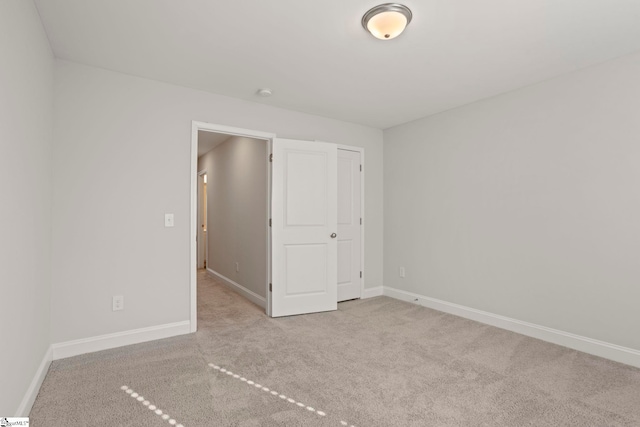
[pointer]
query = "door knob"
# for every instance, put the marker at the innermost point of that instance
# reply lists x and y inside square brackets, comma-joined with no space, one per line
[334,235]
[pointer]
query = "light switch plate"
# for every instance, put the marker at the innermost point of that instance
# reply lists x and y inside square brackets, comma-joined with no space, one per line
[168,220]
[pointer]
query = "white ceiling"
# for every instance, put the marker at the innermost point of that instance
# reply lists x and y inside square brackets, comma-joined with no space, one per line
[317,58]
[207,141]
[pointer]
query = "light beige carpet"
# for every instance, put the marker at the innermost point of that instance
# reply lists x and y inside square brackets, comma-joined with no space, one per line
[376,362]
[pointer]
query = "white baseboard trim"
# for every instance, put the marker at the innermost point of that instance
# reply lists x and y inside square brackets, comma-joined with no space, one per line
[236,287]
[119,339]
[36,383]
[603,349]
[372,292]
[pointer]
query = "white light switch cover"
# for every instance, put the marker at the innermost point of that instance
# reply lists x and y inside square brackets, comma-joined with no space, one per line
[168,220]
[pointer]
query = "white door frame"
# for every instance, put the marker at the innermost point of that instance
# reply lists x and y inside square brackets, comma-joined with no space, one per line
[362,213]
[193,263]
[206,249]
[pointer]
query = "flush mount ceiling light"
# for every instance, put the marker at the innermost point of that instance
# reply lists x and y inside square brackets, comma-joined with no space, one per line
[387,21]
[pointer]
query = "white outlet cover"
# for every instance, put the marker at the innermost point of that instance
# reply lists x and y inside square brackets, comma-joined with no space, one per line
[118,303]
[168,220]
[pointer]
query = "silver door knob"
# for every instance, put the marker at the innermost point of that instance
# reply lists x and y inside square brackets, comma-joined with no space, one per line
[334,235]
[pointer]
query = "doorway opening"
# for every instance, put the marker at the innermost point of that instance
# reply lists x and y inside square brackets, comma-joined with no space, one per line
[201,238]
[229,212]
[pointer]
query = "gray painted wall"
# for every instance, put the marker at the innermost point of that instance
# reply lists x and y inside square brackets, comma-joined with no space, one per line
[525,205]
[237,211]
[121,160]
[26,117]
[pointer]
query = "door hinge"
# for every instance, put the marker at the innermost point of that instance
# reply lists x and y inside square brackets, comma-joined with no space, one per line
[270,287]
[360,221]
[269,222]
[361,274]
[360,168]
[271,157]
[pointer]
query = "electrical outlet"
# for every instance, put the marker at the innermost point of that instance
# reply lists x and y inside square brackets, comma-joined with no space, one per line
[401,272]
[118,302]
[237,266]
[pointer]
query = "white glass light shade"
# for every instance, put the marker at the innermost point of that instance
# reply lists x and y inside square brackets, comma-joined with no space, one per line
[387,25]
[387,21]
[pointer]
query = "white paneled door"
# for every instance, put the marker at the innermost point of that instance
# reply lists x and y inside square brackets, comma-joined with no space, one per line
[349,228]
[304,227]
